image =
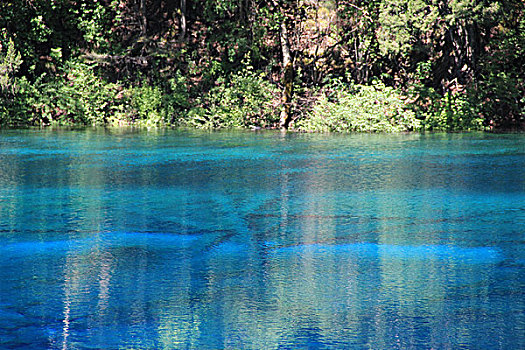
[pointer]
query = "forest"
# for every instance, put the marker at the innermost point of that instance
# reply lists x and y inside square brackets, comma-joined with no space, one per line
[305,65]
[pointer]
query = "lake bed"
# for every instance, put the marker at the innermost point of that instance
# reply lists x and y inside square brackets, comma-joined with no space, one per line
[169,239]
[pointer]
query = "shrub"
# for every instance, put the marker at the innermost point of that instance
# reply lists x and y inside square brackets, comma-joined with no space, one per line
[246,100]
[152,105]
[453,112]
[10,62]
[361,108]
[77,96]
[176,99]
[145,103]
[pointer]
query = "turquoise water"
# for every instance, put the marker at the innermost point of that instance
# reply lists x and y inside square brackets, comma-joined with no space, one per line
[183,240]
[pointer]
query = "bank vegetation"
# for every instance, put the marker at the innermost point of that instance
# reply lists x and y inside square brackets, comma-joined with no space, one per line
[309,65]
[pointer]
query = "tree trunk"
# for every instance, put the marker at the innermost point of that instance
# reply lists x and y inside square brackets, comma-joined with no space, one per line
[183,25]
[288,76]
[144,24]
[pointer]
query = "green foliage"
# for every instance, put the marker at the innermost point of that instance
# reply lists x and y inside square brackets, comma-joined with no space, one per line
[246,100]
[153,105]
[501,91]
[502,96]
[10,61]
[422,22]
[10,85]
[402,22]
[91,21]
[458,61]
[453,112]
[17,109]
[361,108]
[146,102]
[40,30]
[175,99]
[77,96]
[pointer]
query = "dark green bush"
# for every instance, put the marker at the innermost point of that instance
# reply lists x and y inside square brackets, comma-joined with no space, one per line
[453,112]
[245,100]
[77,96]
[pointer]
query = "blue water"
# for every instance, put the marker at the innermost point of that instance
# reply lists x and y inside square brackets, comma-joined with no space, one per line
[183,240]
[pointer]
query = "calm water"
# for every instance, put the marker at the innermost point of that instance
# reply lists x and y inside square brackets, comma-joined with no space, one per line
[185,240]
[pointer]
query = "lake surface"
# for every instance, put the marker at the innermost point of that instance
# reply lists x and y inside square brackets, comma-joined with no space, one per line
[185,240]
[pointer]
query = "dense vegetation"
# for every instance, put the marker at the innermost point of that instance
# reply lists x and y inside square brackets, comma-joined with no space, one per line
[313,65]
